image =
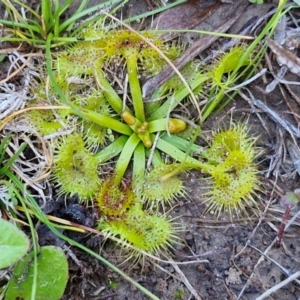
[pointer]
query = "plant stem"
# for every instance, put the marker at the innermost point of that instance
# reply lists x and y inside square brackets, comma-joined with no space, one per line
[134,83]
[125,157]
[110,94]
[181,143]
[139,169]
[34,243]
[112,149]
[175,99]
[103,120]
[182,157]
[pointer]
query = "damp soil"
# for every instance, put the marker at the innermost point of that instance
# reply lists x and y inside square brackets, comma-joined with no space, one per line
[219,258]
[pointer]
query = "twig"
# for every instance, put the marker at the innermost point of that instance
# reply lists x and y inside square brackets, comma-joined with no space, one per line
[245,83]
[261,259]
[186,282]
[285,124]
[182,278]
[282,269]
[278,286]
[256,265]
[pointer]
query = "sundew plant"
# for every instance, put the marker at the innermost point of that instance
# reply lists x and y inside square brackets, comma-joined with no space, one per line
[123,153]
[146,143]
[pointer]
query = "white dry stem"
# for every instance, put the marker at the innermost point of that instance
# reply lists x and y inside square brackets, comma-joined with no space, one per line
[34,172]
[285,57]
[286,81]
[292,277]
[125,94]
[15,57]
[149,161]
[6,197]
[245,83]
[290,128]
[294,153]
[182,278]
[11,100]
[58,134]
[186,282]
[278,286]
[277,78]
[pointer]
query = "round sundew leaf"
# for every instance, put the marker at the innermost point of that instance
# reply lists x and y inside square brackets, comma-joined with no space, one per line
[13,244]
[75,169]
[150,233]
[157,191]
[52,276]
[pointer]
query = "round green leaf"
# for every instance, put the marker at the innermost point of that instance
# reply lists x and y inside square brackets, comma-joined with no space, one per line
[14,244]
[52,276]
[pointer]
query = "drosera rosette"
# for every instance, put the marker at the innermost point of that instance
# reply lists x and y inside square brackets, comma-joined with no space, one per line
[234,173]
[146,233]
[75,168]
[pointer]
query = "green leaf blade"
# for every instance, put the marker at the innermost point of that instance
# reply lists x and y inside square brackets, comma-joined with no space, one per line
[14,244]
[52,276]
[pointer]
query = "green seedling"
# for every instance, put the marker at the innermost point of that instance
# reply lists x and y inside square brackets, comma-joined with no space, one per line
[178,295]
[113,283]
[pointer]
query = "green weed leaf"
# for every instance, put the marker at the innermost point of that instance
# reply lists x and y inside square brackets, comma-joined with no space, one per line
[13,244]
[52,276]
